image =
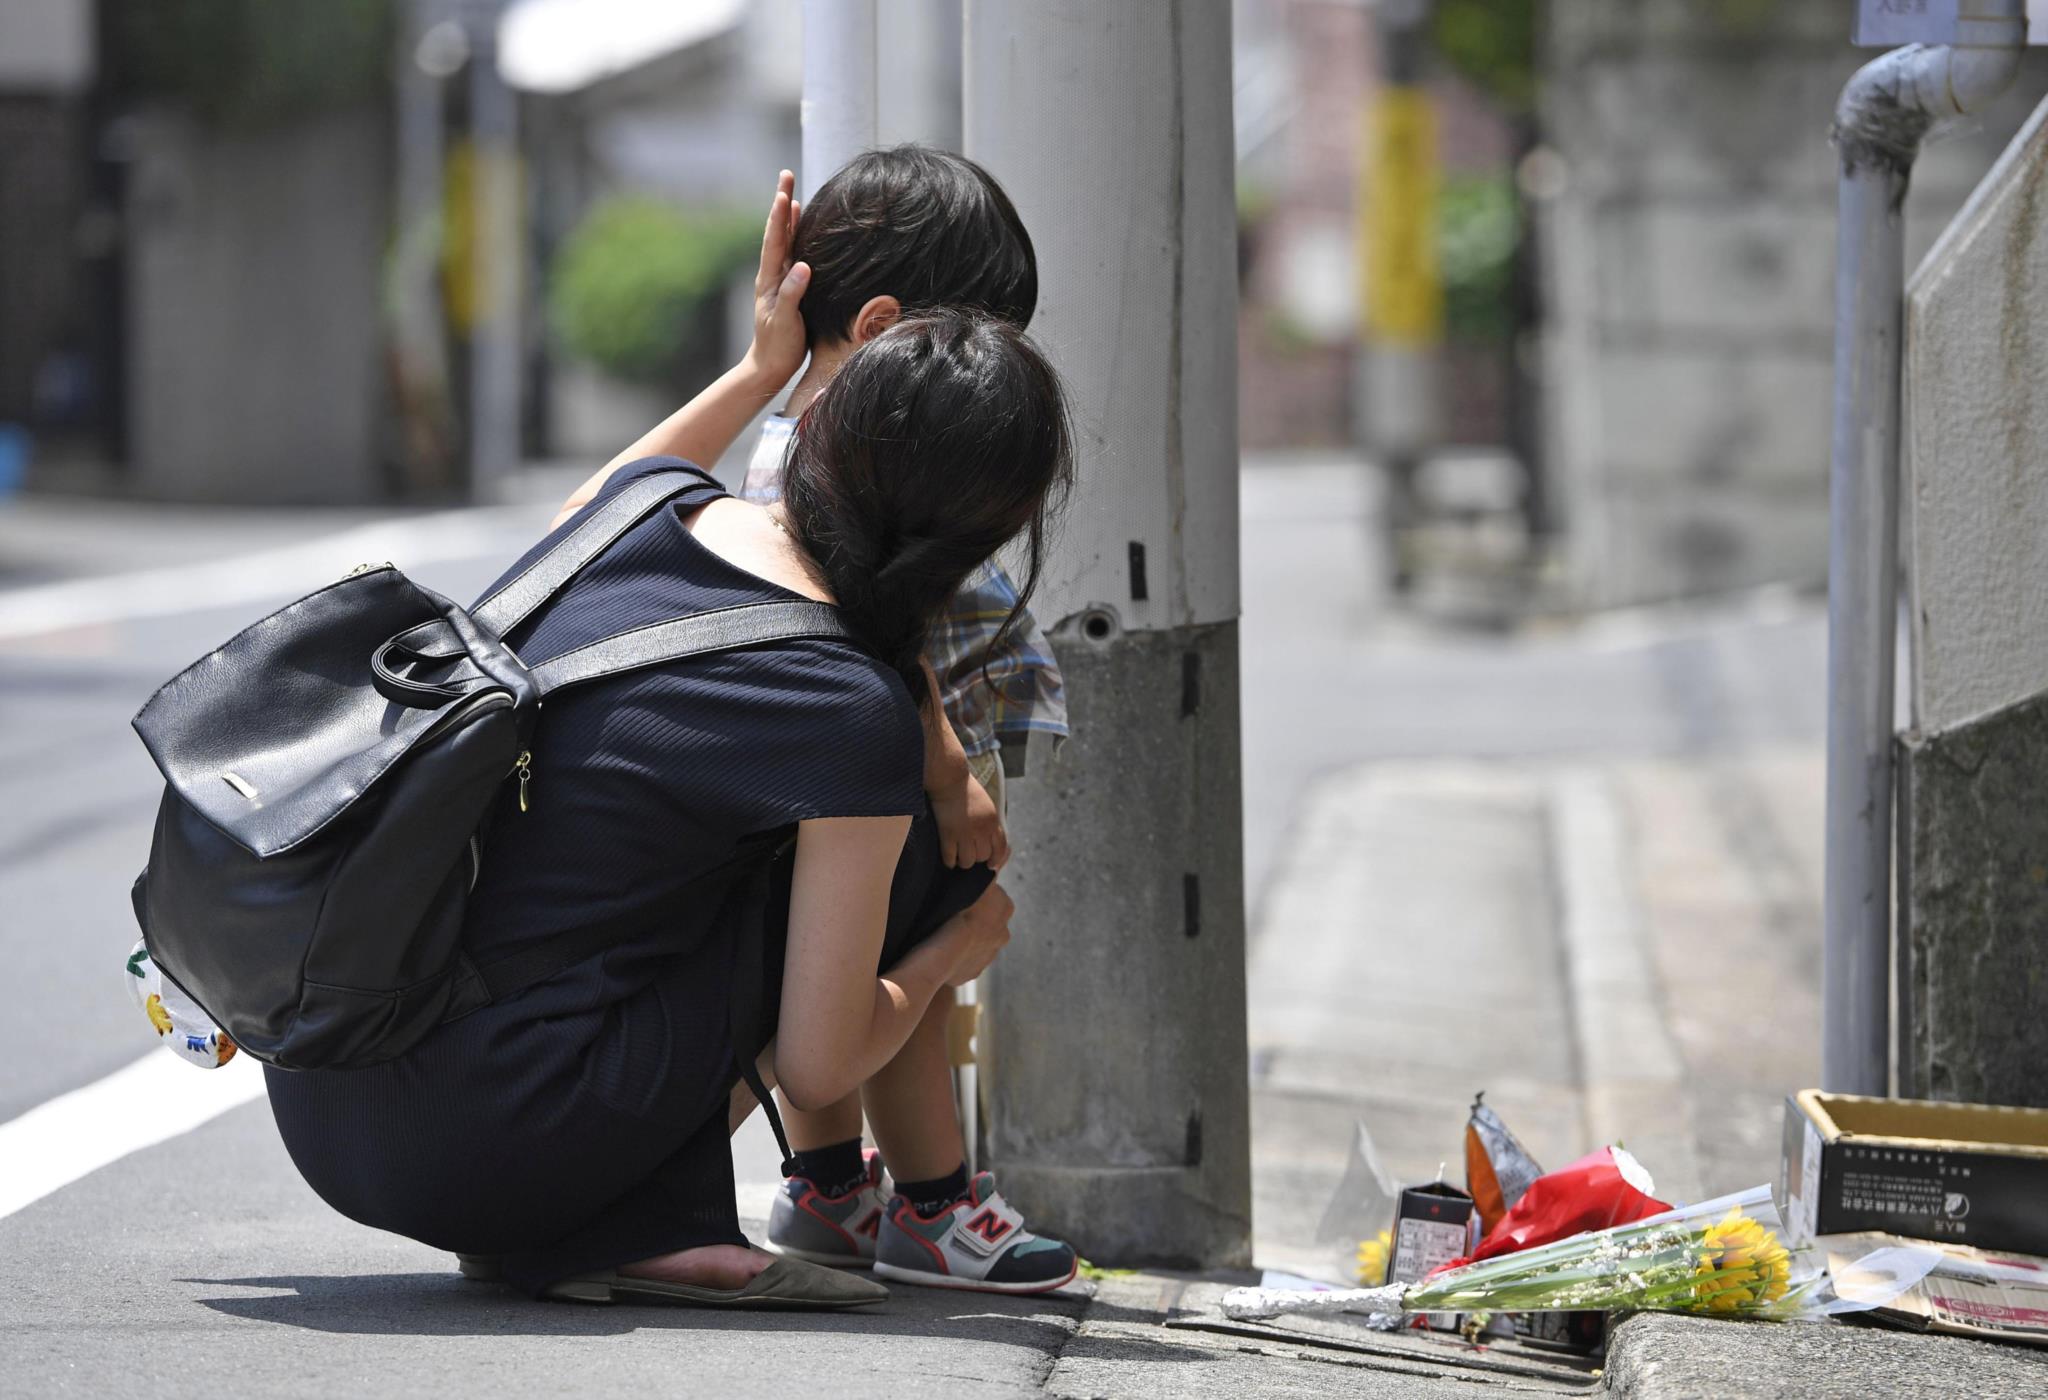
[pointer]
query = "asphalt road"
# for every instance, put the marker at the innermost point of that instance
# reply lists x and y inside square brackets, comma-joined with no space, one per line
[204,1265]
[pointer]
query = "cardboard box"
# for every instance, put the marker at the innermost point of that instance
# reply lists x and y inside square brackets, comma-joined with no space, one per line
[1969,1174]
[1971,1293]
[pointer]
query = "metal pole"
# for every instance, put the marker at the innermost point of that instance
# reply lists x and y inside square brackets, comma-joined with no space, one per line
[838,109]
[1883,114]
[1862,631]
[496,234]
[842,115]
[1113,1053]
[430,49]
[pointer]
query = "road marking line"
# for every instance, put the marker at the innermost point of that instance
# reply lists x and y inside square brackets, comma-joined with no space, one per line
[156,1098]
[245,578]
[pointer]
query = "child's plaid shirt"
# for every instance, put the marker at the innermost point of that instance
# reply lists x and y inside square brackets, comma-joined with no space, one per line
[1022,703]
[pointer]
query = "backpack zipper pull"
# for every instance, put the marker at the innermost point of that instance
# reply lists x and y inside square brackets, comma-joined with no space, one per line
[525,771]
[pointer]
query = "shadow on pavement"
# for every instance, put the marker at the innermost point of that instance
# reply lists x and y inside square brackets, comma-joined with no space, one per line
[439,1305]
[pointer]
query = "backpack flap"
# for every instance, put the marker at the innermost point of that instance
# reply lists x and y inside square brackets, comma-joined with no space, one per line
[283,728]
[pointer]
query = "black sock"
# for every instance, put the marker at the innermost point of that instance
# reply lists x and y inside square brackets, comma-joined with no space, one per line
[928,1198]
[834,1169]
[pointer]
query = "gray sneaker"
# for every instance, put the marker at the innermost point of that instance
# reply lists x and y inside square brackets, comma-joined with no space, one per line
[978,1243]
[805,1223]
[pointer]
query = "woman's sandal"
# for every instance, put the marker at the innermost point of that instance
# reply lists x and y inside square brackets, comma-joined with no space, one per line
[785,1283]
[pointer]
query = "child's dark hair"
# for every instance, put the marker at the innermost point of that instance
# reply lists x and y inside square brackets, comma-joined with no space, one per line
[924,226]
[936,444]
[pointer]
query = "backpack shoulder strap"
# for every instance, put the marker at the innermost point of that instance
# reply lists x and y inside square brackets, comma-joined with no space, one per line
[722,629]
[545,576]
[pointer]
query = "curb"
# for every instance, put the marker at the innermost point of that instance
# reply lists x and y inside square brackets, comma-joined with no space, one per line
[1629,1066]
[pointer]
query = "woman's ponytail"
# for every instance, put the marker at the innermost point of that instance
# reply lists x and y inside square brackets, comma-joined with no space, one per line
[935,445]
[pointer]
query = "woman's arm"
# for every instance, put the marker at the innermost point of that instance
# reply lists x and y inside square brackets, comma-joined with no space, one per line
[839,1021]
[702,429]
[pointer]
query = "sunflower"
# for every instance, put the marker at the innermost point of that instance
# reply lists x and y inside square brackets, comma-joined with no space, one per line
[1741,1265]
[1372,1259]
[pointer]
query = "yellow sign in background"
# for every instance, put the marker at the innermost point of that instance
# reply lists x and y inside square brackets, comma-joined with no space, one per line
[466,250]
[1402,287]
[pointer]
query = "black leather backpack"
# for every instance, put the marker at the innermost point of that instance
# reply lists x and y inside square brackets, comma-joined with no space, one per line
[328,773]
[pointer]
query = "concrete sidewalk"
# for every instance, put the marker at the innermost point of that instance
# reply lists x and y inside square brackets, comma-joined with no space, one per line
[1620,951]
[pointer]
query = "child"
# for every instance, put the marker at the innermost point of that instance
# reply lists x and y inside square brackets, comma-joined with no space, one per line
[893,231]
[898,230]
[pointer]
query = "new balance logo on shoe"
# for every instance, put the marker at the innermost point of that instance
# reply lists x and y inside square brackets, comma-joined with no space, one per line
[989,1226]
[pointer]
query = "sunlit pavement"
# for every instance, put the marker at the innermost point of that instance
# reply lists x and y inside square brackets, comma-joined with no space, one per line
[1410,793]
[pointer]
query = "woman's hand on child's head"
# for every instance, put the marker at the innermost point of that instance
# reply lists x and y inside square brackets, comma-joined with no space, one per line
[977,933]
[778,348]
[970,827]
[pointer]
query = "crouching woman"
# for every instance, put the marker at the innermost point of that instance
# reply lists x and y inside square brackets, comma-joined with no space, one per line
[574,1138]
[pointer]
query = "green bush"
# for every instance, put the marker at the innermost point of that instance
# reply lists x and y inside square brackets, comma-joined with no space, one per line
[637,289]
[1492,44]
[1478,229]
[249,62]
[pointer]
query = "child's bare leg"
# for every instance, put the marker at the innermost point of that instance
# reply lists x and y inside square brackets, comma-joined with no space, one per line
[909,1102]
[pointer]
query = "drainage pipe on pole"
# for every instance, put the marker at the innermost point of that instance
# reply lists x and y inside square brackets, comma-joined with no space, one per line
[839,102]
[1882,116]
[843,115]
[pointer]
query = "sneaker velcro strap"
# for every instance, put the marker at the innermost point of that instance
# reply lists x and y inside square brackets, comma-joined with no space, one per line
[990,1227]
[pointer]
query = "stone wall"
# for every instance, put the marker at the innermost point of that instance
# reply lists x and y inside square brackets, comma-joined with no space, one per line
[1973,910]
[1689,283]
[1973,831]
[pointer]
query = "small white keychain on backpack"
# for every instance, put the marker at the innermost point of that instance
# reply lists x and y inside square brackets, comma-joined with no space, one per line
[190,1033]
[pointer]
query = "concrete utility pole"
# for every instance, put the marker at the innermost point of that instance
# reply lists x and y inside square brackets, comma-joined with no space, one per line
[1114,1050]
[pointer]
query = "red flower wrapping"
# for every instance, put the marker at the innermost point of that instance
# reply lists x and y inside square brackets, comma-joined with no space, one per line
[1593,1193]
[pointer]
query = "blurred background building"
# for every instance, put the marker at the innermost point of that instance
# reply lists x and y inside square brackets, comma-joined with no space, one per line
[248,254]
[1689,277]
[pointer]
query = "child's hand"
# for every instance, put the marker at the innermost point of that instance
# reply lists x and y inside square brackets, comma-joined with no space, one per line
[778,348]
[974,936]
[970,828]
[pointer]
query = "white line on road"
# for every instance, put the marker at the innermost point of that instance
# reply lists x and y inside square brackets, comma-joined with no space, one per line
[156,1098]
[247,578]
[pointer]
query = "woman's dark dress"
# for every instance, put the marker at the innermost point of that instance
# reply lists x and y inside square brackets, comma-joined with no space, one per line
[581,1123]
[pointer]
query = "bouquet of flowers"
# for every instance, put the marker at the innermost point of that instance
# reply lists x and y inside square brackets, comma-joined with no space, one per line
[1728,1257]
